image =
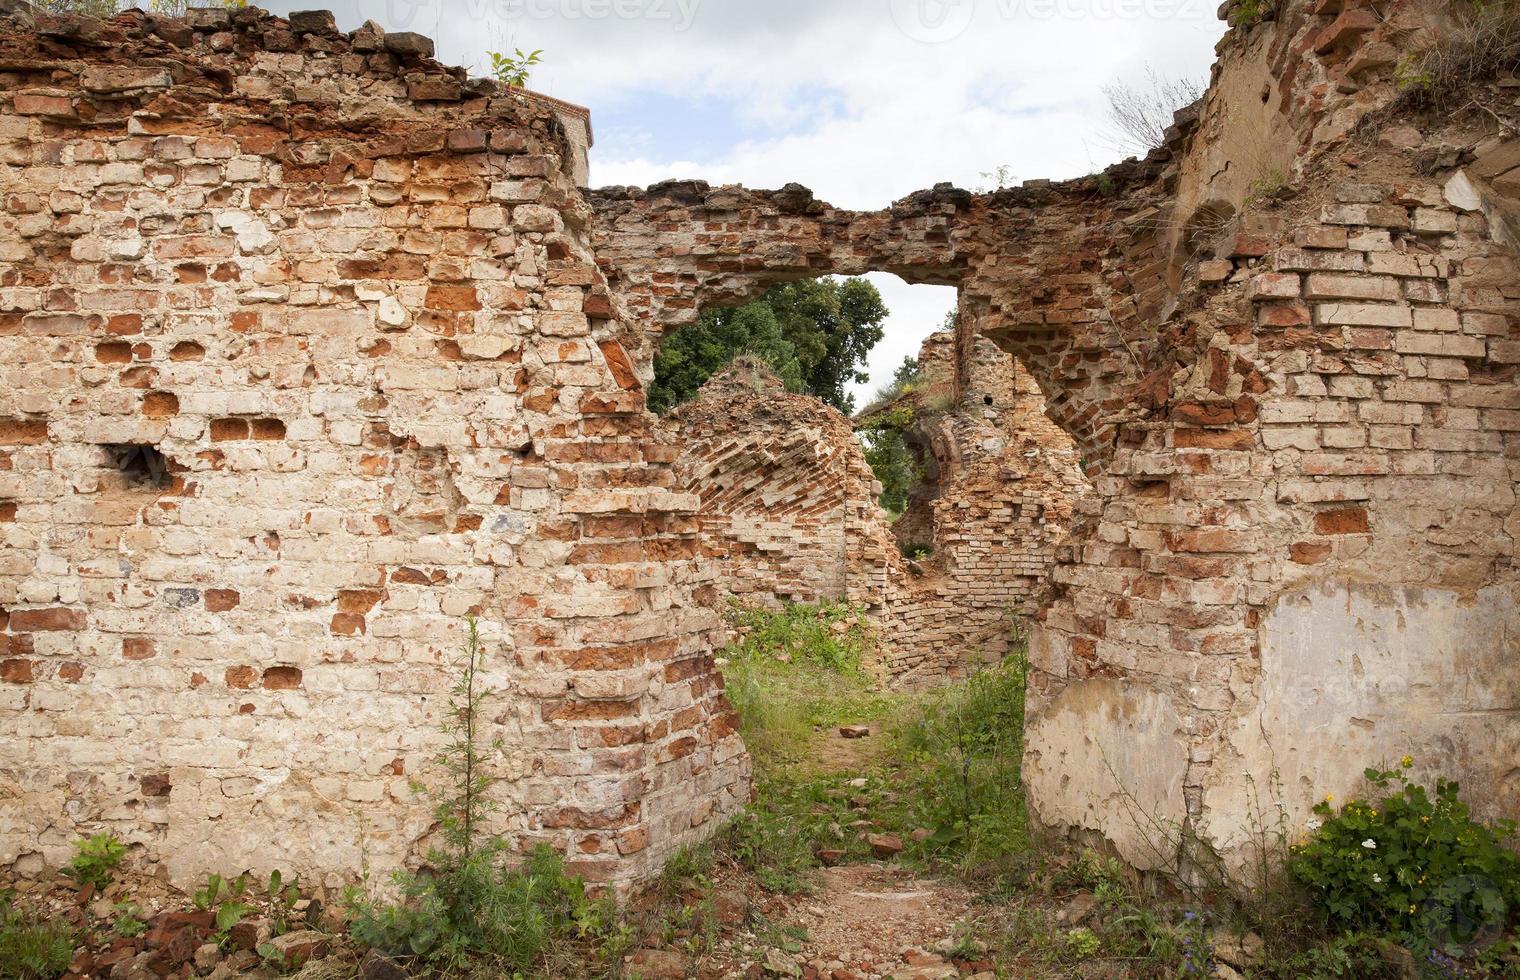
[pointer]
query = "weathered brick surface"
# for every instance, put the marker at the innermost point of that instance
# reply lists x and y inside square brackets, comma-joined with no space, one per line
[789,505]
[371,342]
[1303,491]
[396,378]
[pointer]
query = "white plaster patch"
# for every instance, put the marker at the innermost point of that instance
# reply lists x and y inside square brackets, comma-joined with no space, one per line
[1110,756]
[1355,675]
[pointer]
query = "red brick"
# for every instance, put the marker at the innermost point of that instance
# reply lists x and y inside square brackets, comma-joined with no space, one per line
[16,671]
[23,432]
[1346,520]
[1309,552]
[138,648]
[241,678]
[282,679]
[54,619]
[347,624]
[1213,439]
[358,601]
[160,405]
[268,429]
[228,430]
[221,600]
[29,104]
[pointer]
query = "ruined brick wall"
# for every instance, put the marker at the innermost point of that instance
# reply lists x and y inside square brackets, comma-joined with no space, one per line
[1295,409]
[788,502]
[349,296]
[395,359]
[998,494]
[789,508]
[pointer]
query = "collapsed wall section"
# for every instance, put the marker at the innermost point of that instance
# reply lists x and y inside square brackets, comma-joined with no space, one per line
[1289,378]
[999,491]
[306,358]
[788,503]
[789,509]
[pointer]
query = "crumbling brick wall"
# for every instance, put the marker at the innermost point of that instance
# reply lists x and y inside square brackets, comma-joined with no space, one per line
[1294,408]
[788,503]
[789,508]
[348,295]
[393,359]
[1000,488]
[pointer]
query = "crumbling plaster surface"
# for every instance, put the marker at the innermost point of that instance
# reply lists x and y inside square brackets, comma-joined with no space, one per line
[1357,673]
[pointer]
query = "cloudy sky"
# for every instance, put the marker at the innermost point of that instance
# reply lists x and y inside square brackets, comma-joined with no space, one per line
[864,101]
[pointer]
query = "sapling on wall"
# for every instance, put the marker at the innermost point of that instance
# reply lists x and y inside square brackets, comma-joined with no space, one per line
[473,908]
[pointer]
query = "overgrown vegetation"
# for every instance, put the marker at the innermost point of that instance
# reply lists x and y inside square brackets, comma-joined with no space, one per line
[1412,864]
[1482,42]
[1139,115]
[814,334]
[475,907]
[1435,897]
[31,947]
[513,70]
[96,859]
[949,768]
[881,436]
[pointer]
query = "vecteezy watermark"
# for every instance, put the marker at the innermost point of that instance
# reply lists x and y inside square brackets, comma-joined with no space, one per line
[1464,915]
[680,14]
[937,21]
[933,21]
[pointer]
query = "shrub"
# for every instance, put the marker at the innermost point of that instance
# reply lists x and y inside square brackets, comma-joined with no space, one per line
[1139,116]
[96,859]
[32,948]
[1484,41]
[512,70]
[1414,863]
[471,907]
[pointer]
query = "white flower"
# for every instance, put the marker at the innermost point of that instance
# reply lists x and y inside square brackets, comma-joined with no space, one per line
[1313,824]
[1377,879]
[1370,844]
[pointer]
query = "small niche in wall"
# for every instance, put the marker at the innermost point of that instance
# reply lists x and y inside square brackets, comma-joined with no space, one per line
[143,464]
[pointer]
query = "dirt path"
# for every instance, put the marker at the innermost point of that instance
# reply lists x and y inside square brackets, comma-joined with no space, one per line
[869,921]
[872,920]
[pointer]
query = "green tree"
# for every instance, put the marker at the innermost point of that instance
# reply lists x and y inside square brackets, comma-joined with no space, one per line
[886,451]
[814,334]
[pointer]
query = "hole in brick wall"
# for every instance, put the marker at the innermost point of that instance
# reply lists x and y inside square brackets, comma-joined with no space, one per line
[143,464]
[986,399]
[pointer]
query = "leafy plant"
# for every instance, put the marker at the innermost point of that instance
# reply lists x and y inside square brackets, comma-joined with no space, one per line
[224,898]
[1414,863]
[32,948]
[96,859]
[815,334]
[129,921]
[471,907]
[513,69]
[282,896]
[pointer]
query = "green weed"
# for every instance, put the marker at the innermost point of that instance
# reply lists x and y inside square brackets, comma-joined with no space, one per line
[32,948]
[96,860]
[473,909]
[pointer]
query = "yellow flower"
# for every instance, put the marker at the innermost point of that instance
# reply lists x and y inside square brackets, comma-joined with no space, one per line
[1411,910]
[1407,761]
[1330,798]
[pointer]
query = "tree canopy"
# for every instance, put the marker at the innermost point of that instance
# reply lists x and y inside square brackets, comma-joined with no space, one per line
[814,334]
